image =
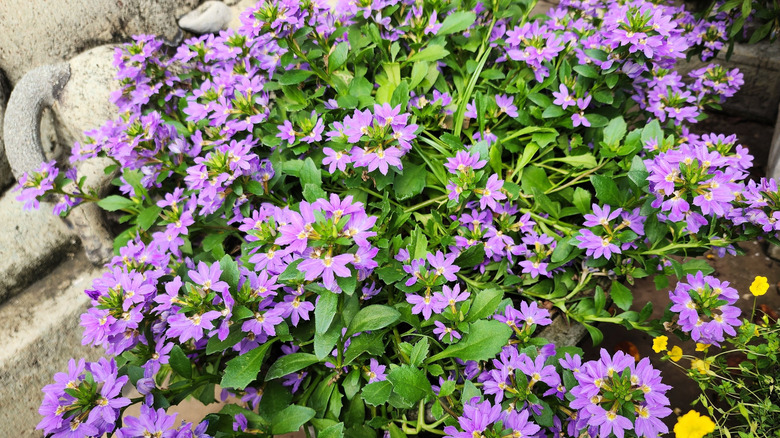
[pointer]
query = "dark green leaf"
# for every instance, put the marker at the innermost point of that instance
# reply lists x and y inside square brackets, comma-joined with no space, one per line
[338,57]
[409,382]
[290,419]
[294,77]
[586,70]
[242,370]
[229,270]
[377,393]
[148,216]
[180,363]
[485,304]
[325,310]
[411,182]
[419,352]
[484,340]
[621,295]
[606,190]
[114,203]
[430,53]
[289,364]
[373,317]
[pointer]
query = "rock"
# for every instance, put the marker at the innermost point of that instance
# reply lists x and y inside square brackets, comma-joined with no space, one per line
[39,32]
[85,103]
[22,121]
[210,17]
[238,7]
[562,333]
[31,242]
[773,164]
[40,331]
[38,89]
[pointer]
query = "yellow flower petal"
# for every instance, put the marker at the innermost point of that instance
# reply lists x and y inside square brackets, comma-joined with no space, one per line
[759,286]
[659,343]
[702,347]
[676,353]
[701,366]
[693,425]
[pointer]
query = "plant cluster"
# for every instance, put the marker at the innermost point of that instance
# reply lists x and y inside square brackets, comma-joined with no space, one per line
[355,218]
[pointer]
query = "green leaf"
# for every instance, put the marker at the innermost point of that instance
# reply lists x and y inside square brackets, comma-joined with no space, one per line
[377,393]
[180,363]
[621,296]
[289,364]
[578,161]
[114,203]
[419,70]
[561,251]
[431,53]
[370,342]
[419,352]
[409,382]
[148,216]
[410,183]
[325,310]
[335,431]
[310,173]
[294,77]
[552,111]
[229,270]
[581,200]
[338,57]
[313,192]
[606,190]
[615,131]
[595,334]
[324,342]
[373,317]
[242,370]
[290,419]
[599,299]
[457,22]
[215,345]
[484,340]
[586,70]
[485,304]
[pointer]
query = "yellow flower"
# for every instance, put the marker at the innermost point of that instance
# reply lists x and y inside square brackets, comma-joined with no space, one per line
[676,353]
[659,343]
[759,286]
[702,347]
[701,366]
[693,425]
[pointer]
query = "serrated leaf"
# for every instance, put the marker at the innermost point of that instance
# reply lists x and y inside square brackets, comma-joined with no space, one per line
[290,419]
[242,370]
[289,364]
[338,57]
[377,393]
[621,296]
[411,182]
[606,190]
[230,272]
[409,382]
[615,131]
[419,352]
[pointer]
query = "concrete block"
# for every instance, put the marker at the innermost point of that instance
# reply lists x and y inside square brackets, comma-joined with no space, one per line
[31,243]
[564,333]
[40,331]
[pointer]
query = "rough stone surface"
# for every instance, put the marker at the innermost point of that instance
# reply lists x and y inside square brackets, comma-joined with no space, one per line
[563,333]
[210,17]
[85,102]
[36,91]
[758,99]
[773,164]
[31,242]
[238,7]
[40,332]
[5,171]
[39,32]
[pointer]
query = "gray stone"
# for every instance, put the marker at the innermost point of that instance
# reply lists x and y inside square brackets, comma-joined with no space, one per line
[40,331]
[40,32]
[773,164]
[238,7]
[564,333]
[85,103]
[210,17]
[36,91]
[31,242]
[759,97]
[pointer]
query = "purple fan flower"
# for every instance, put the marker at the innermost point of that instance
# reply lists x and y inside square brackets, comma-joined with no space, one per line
[375,372]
